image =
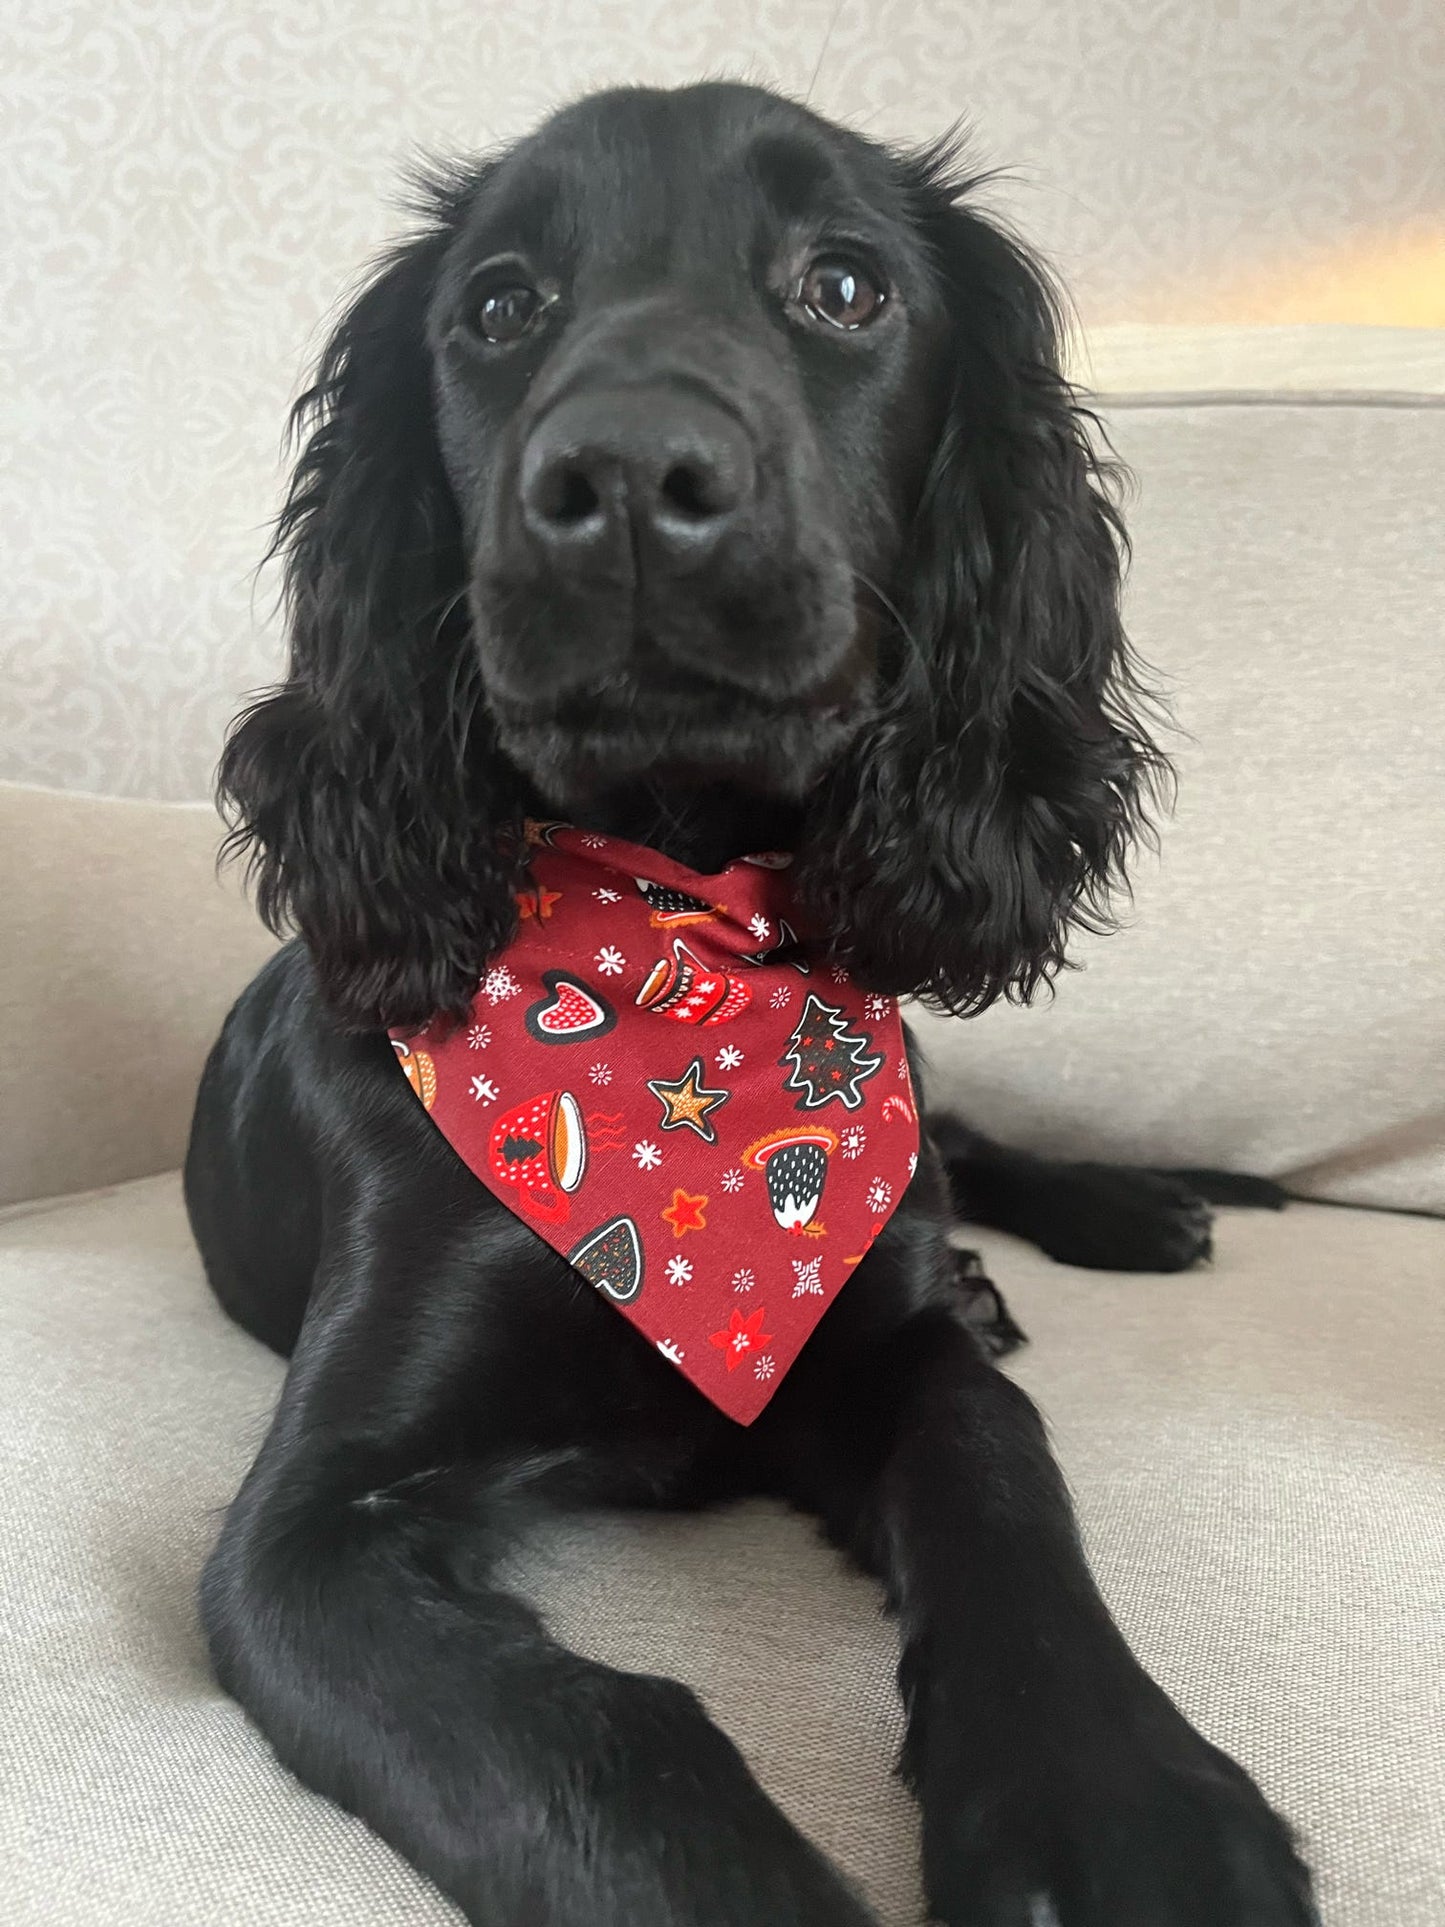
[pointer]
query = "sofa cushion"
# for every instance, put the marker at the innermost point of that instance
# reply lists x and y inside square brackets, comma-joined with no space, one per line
[123,950]
[1276,1003]
[1256,1450]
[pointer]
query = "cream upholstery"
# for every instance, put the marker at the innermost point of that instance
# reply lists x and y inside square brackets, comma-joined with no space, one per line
[122,951]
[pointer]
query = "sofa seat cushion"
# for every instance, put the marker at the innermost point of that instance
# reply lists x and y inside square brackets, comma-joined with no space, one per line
[1257,1452]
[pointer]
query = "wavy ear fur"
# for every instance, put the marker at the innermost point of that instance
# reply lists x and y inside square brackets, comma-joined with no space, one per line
[991,809]
[366,788]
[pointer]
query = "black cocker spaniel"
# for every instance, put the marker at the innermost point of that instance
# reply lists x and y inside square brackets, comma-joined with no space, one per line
[701,473]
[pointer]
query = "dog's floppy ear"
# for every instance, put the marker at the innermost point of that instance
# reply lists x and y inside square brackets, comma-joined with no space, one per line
[991,808]
[366,788]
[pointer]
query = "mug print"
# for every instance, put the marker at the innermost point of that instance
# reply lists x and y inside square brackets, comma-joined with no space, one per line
[541,1148]
[682,988]
[419,1069]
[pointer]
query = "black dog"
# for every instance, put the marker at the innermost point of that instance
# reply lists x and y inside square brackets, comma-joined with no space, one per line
[705,473]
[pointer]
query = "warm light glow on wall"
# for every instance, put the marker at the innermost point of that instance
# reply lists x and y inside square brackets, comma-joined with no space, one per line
[1377,280]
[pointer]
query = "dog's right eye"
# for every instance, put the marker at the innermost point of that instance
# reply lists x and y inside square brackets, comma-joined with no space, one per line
[502,314]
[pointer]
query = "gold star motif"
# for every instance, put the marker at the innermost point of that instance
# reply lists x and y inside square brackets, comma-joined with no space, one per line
[686,1101]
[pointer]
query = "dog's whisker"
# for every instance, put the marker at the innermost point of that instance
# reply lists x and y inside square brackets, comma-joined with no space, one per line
[891,607]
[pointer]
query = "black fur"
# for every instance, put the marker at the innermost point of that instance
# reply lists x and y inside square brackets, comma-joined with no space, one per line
[686,562]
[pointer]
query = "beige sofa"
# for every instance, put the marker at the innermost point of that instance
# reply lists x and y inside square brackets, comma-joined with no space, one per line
[1258,1448]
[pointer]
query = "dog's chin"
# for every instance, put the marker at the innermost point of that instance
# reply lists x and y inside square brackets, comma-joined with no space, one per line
[780,755]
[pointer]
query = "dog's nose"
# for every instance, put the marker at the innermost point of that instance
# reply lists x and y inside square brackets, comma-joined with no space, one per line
[661,476]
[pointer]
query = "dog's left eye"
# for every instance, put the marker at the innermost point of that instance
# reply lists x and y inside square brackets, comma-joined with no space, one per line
[841,292]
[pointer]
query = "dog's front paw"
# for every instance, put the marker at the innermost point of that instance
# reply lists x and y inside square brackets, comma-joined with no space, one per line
[1127,1831]
[1115,1218]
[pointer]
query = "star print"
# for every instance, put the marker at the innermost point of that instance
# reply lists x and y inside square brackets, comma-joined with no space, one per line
[685,1213]
[537,903]
[608,896]
[686,1101]
[483,1089]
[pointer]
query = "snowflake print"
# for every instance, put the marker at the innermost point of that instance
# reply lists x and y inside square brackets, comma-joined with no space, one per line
[479,1036]
[880,1195]
[781,997]
[760,927]
[499,984]
[903,1067]
[609,960]
[744,1278]
[608,896]
[591,842]
[807,1274]
[646,1154]
[679,1270]
[764,1367]
[729,1057]
[855,1141]
[912,1162]
[838,973]
[601,1073]
[483,1090]
[732,1180]
[876,1008]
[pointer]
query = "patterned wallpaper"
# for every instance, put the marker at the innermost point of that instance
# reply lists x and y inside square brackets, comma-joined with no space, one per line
[189,183]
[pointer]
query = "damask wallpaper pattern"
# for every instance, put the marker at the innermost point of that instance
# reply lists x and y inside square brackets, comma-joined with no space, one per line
[188,184]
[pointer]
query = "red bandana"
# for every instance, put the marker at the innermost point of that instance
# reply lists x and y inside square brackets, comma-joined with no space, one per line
[707,1120]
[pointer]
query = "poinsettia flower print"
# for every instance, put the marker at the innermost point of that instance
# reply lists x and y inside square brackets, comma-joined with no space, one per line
[742,1336]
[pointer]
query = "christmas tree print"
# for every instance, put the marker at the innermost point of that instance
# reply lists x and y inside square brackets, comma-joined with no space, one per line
[828,1061]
